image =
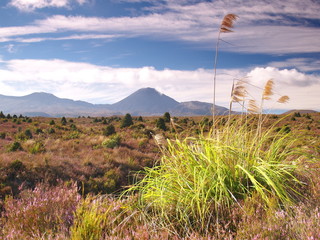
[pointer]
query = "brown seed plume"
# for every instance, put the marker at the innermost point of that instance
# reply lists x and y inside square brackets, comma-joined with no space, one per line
[268,90]
[227,23]
[283,99]
[253,107]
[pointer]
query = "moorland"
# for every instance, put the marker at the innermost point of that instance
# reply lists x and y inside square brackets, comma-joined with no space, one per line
[96,178]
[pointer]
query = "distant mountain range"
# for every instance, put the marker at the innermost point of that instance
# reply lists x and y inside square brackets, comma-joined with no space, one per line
[144,102]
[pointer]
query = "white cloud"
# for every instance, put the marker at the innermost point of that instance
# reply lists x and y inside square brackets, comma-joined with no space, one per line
[30,5]
[302,64]
[275,27]
[99,84]
[303,89]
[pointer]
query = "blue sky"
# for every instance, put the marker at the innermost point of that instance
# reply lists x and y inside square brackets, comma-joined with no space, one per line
[101,51]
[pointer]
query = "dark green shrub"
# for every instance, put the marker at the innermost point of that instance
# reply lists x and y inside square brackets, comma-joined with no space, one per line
[73,127]
[51,131]
[109,130]
[39,130]
[161,124]
[2,135]
[14,147]
[307,116]
[63,121]
[28,133]
[166,117]
[17,165]
[126,121]
[52,122]
[297,114]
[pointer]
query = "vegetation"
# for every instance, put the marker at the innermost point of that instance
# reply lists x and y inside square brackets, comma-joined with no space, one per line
[127,121]
[250,176]
[211,184]
[161,124]
[109,130]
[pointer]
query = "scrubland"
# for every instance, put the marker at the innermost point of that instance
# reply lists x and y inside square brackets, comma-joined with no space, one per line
[79,178]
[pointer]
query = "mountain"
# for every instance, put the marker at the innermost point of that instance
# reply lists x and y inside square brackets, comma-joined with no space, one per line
[144,102]
[45,104]
[194,108]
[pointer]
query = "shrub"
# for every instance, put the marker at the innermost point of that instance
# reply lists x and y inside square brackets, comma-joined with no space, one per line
[51,131]
[73,127]
[38,131]
[166,117]
[14,147]
[161,124]
[126,121]
[2,135]
[52,122]
[112,142]
[297,114]
[17,165]
[109,130]
[28,133]
[63,121]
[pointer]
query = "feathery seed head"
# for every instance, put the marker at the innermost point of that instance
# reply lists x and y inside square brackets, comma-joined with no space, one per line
[227,23]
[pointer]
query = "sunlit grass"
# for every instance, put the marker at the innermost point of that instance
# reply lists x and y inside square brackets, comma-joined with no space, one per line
[198,179]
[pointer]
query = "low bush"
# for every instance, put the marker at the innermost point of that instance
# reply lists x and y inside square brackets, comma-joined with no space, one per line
[112,142]
[109,130]
[15,146]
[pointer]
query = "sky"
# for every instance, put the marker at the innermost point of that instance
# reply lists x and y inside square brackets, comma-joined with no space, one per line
[100,51]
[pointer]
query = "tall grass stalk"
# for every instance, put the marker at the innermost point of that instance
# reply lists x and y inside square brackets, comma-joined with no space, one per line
[199,179]
[225,27]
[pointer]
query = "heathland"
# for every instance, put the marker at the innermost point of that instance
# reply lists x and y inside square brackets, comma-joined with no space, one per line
[122,177]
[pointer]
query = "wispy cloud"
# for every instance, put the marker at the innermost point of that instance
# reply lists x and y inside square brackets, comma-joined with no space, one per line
[302,64]
[99,84]
[30,5]
[272,27]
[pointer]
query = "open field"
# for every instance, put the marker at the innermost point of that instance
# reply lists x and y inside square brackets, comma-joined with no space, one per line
[83,159]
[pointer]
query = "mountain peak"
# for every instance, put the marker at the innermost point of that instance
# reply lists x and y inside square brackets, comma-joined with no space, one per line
[40,96]
[146,100]
[148,90]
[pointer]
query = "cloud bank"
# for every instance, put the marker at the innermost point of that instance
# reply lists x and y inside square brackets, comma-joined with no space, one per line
[99,84]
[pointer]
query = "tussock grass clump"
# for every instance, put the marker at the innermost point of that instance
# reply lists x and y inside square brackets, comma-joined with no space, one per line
[199,179]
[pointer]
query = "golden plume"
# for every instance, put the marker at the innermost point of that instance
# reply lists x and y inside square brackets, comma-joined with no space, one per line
[239,91]
[253,107]
[283,99]
[268,90]
[227,23]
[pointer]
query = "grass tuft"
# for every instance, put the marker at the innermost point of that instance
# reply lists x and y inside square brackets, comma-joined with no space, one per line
[199,179]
